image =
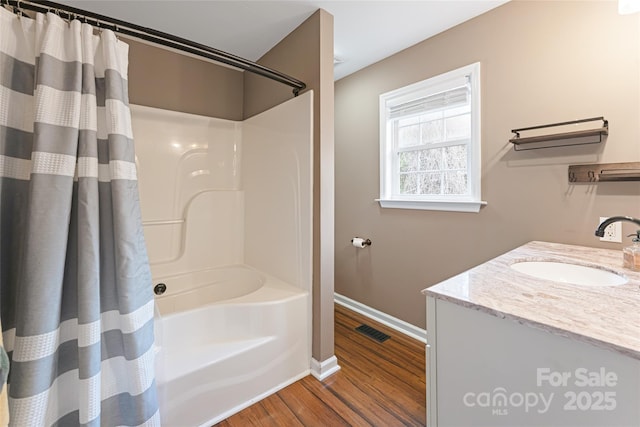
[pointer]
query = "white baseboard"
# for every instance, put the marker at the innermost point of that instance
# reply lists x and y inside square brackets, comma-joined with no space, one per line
[388,320]
[322,370]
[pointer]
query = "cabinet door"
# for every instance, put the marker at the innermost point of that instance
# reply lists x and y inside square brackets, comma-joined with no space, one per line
[500,373]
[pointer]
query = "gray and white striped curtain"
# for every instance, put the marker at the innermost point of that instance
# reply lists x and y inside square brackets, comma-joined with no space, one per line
[76,297]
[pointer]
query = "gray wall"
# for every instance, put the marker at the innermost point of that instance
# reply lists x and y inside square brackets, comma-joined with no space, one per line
[164,79]
[542,62]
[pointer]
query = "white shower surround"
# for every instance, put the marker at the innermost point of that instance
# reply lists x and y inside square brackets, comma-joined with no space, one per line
[223,199]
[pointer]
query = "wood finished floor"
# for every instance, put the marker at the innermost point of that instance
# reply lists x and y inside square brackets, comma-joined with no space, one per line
[379,384]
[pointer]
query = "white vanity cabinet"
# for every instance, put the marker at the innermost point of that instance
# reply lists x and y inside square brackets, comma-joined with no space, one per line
[487,371]
[506,350]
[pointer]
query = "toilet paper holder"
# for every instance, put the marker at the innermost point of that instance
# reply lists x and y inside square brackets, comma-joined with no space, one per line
[360,242]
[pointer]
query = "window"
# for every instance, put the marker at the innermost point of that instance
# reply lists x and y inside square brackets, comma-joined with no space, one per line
[430,143]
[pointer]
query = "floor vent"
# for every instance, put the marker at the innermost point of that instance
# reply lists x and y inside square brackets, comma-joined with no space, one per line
[372,333]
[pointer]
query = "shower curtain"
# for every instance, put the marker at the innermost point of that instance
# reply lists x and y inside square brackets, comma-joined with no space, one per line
[76,300]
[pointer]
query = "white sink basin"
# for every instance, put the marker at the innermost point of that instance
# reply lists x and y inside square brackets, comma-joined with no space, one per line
[569,273]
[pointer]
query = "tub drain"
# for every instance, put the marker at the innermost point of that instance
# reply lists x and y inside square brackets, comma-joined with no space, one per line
[160,289]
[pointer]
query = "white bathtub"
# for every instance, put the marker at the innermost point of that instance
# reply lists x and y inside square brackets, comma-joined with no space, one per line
[227,338]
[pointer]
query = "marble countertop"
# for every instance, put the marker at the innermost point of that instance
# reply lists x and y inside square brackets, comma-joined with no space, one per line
[605,316]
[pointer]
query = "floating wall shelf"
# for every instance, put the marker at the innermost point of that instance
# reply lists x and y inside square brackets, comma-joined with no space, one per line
[604,172]
[560,139]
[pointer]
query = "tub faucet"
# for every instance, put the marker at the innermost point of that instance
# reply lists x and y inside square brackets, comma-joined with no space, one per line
[606,222]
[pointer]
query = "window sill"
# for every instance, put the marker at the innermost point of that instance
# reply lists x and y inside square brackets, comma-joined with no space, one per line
[450,206]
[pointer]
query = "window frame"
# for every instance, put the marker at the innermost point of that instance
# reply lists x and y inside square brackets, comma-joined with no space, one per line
[389,168]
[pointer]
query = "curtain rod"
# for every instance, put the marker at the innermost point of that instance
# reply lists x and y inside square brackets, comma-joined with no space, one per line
[157,37]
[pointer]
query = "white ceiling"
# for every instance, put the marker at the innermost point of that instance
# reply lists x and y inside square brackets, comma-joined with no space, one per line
[365,31]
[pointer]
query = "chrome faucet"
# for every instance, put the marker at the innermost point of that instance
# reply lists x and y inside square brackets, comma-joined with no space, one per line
[606,222]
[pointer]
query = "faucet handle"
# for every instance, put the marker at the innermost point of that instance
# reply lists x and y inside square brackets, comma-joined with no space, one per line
[636,236]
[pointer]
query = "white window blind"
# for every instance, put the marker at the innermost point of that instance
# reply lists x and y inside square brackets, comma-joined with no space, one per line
[449,99]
